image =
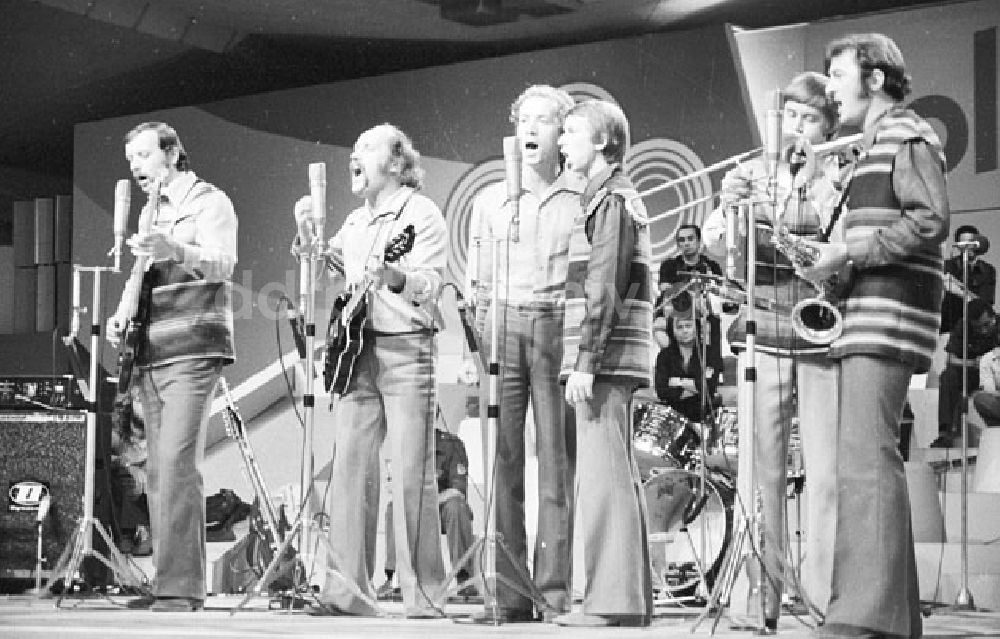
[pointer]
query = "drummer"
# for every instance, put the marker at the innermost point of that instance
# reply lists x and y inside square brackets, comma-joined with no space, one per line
[680,379]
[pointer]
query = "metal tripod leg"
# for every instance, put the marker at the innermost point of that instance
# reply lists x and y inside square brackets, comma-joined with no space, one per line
[526,587]
[726,578]
[77,550]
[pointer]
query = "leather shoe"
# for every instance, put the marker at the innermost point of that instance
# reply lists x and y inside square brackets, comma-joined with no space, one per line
[141,603]
[847,631]
[177,604]
[584,620]
[510,615]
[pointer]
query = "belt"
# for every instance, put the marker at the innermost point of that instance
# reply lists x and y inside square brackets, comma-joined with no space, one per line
[527,307]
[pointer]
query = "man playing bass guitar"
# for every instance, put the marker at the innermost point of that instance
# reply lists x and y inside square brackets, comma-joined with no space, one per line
[185,254]
[391,390]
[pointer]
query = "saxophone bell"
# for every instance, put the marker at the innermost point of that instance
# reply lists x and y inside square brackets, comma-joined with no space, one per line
[817,320]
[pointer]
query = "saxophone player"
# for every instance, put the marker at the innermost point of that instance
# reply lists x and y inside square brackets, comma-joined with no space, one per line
[788,366]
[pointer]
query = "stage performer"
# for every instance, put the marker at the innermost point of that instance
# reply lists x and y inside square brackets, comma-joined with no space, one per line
[795,378]
[607,355]
[897,219]
[190,251]
[530,290]
[391,393]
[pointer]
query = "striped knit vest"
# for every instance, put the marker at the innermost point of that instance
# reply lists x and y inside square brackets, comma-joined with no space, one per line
[189,318]
[891,311]
[627,354]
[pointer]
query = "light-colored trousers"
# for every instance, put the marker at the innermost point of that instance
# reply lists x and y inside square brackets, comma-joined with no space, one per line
[814,378]
[612,505]
[391,395]
[176,400]
[875,582]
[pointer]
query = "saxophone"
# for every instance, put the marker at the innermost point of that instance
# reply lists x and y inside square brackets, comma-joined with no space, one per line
[816,319]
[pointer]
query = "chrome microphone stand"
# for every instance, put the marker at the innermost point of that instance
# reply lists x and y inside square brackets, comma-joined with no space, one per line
[80,546]
[750,525]
[964,599]
[492,541]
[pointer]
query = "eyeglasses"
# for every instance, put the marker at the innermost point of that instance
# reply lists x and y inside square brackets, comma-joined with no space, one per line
[688,238]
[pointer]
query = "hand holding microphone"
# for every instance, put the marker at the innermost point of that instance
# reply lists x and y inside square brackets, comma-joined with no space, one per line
[512,168]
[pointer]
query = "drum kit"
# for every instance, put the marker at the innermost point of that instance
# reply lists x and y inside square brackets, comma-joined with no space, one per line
[691,529]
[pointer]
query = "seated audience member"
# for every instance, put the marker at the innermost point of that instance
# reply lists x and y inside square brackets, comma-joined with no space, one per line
[987,399]
[982,282]
[982,339]
[678,377]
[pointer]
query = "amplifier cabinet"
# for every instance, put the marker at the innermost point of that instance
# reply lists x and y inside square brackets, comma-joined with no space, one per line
[40,453]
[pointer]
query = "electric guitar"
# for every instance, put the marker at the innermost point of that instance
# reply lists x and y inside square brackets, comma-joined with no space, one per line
[345,332]
[141,291]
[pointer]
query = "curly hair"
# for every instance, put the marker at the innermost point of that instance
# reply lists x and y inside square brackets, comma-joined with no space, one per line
[875,51]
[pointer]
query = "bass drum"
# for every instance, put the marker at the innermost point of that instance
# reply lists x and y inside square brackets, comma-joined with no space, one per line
[672,497]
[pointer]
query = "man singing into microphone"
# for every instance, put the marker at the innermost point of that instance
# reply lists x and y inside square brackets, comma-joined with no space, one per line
[897,220]
[391,393]
[789,368]
[530,290]
[190,250]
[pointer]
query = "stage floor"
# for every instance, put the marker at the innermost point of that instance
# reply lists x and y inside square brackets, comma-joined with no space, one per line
[27,617]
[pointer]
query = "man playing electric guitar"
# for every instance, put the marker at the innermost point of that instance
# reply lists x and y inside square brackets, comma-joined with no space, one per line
[188,241]
[391,391]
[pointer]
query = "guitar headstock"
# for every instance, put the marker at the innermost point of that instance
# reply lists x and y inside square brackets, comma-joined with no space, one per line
[400,245]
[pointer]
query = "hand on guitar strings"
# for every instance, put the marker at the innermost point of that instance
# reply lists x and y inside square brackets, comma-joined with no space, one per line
[158,247]
[382,272]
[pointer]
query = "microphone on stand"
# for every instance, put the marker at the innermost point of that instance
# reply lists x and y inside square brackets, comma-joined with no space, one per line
[123,199]
[512,167]
[463,314]
[74,318]
[772,136]
[298,335]
[979,245]
[317,193]
[732,228]
[43,509]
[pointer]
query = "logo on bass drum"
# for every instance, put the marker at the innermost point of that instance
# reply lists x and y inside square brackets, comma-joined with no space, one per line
[26,495]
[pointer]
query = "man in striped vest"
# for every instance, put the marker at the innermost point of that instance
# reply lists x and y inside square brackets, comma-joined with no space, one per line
[607,337]
[896,220]
[186,251]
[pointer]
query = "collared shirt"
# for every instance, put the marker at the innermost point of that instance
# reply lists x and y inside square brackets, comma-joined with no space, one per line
[365,235]
[536,269]
[205,223]
[989,371]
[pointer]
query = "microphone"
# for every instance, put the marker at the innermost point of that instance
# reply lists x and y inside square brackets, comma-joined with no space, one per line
[732,213]
[74,318]
[43,509]
[512,167]
[317,192]
[772,136]
[297,322]
[979,245]
[123,199]
[463,313]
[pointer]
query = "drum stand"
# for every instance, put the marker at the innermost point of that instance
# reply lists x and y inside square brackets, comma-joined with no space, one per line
[80,546]
[751,527]
[491,541]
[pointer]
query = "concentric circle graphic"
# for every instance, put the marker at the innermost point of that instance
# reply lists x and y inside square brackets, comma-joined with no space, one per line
[458,212]
[653,163]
